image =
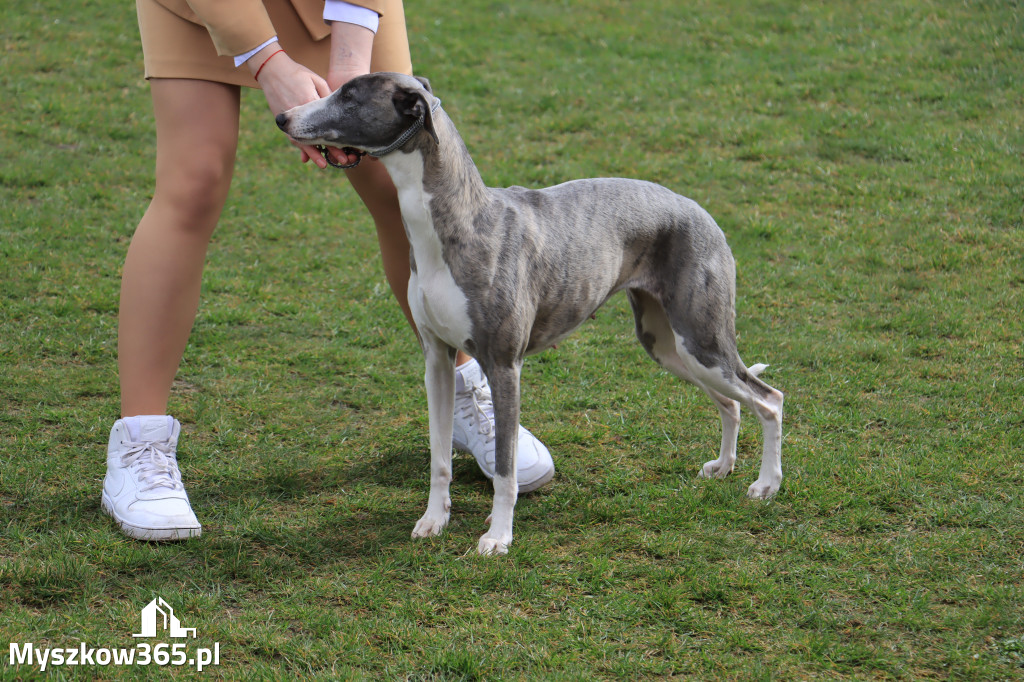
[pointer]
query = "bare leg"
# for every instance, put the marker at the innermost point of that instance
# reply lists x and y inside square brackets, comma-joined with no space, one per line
[197,136]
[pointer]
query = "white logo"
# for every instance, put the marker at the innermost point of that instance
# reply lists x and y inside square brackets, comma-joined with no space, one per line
[167,619]
[156,613]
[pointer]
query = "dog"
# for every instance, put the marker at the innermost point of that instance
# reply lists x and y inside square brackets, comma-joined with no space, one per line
[504,273]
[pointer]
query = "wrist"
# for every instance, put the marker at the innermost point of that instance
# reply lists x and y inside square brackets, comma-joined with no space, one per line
[263,57]
[351,48]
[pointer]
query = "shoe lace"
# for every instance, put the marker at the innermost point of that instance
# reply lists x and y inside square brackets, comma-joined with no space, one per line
[154,463]
[480,408]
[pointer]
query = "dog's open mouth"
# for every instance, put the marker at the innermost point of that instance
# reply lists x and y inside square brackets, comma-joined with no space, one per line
[351,151]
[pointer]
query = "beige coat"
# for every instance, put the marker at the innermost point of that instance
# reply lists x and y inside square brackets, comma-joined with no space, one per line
[238,26]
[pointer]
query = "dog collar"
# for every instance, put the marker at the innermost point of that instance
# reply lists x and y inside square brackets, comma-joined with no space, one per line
[381,151]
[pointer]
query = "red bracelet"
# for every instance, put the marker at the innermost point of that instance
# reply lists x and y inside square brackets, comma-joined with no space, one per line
[257,76]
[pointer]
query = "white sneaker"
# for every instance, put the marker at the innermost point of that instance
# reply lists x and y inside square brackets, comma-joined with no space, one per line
[474,431]
[142,489]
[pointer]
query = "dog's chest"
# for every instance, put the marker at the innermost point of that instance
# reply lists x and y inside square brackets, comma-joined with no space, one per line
[436,301]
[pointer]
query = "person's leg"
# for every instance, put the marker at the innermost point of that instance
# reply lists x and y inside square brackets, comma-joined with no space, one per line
[197,136]
[373,185]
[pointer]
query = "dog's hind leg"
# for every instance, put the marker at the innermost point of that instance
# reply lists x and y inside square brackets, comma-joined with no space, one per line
[504,383]
[728,387]
[729,410]
[656,335]
[440,382]
[742,385]
[766,403]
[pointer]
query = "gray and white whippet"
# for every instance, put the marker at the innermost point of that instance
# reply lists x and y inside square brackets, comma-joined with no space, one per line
[503,273]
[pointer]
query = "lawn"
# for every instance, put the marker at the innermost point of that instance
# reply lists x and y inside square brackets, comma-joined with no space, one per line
[866,162]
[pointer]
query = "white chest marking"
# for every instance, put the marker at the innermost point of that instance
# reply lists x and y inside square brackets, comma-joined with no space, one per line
[436,301]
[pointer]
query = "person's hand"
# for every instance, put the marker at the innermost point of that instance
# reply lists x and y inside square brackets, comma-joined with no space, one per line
[288,84]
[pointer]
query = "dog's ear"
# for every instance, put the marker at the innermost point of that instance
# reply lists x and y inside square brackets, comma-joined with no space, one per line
[425,83]
[428,122]
[414,103]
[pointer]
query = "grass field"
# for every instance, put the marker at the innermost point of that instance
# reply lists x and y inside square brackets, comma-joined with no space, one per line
[865,160]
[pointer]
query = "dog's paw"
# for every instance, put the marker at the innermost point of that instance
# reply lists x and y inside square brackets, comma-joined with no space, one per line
[762,490]
[429,526]
[492,546]
[715,469]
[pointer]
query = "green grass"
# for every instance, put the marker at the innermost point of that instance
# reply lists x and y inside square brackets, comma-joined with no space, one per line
[865,162]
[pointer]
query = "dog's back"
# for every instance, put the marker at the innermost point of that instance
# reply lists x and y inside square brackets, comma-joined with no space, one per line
[566,249]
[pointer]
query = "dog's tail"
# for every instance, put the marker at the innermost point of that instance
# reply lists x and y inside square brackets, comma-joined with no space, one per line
[755,370]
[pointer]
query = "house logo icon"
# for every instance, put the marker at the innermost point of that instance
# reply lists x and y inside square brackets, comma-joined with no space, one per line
[159,613]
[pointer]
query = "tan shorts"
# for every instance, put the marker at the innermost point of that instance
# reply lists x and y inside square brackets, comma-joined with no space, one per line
[174,47]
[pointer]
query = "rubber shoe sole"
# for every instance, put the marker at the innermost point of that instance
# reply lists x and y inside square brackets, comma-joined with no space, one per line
[150,534]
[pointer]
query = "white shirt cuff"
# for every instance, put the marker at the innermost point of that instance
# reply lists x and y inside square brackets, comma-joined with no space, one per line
[243,58]
[346,12]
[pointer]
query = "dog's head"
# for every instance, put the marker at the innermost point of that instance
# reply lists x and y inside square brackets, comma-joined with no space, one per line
[367,113]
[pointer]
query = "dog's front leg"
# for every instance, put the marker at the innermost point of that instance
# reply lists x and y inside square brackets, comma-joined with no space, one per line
[440,382]
[504,383]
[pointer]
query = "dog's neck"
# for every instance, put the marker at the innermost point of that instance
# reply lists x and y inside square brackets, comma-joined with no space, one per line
[438,182]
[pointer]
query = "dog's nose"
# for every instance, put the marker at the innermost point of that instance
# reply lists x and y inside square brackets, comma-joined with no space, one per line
[282,120]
